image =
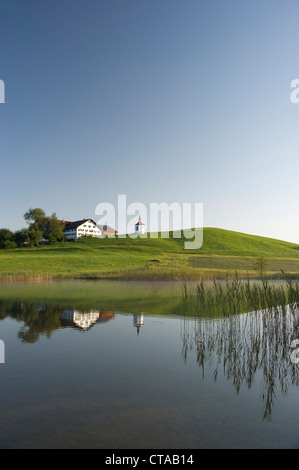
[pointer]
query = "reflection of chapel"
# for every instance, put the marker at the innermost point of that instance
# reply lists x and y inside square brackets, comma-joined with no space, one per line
[138,321]
[139,227]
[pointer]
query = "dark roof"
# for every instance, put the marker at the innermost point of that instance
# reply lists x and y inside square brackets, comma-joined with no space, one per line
[139,222]
[77,223]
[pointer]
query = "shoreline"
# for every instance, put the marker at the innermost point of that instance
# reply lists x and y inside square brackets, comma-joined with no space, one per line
[138,277]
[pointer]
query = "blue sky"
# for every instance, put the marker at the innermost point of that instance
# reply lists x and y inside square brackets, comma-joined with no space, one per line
[158,100]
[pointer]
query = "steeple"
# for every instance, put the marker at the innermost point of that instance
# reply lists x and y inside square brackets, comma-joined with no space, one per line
[139,226]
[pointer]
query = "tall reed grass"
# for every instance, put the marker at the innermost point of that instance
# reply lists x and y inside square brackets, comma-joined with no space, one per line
[254,344]
[239,296]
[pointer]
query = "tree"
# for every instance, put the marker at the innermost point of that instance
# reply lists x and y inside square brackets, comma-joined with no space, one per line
[19,237]
[5,236]
[32,236]
[9,244]
[260,265]
[37,220]
[54,230]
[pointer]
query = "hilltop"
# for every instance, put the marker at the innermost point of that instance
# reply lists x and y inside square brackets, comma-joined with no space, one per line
[226,242]
[222,254]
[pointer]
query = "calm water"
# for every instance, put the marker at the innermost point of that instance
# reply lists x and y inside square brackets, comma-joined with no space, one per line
[120,366]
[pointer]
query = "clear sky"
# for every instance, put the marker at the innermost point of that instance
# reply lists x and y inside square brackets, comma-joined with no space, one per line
[158,100]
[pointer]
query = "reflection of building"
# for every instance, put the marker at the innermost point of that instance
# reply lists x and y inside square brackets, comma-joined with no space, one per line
[138,321]
[84,320]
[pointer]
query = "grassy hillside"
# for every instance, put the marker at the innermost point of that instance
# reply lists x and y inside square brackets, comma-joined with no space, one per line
[226,242]
[223,252]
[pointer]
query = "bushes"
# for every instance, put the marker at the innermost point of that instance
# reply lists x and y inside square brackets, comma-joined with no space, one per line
[10,240]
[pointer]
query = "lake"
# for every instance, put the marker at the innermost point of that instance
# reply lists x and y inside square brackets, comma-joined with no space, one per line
[122,365]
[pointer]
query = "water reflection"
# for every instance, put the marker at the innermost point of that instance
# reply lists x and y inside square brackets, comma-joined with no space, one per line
[44,319]
[245,348]
[138,321]
[39,319]
[84,320]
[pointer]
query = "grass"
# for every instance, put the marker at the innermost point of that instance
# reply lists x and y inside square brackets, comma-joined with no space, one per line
[222,254]
[239,296]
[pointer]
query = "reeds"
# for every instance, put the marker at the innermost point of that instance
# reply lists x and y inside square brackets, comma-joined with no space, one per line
[255,343]
[236,296]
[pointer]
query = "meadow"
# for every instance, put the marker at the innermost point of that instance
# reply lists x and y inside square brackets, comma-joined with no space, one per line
[223,254]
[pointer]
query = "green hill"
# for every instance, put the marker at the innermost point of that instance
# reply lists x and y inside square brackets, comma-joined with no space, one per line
[223,252]
[225,242]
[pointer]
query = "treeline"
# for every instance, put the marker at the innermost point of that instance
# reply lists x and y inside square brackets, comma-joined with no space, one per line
[40,227]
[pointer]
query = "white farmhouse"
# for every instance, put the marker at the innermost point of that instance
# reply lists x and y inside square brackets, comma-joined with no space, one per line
[82,228]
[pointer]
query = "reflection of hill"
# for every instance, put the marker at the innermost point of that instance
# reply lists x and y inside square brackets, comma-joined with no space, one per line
[153,298]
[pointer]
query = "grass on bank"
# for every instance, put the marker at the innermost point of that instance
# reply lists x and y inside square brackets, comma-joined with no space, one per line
[222,254]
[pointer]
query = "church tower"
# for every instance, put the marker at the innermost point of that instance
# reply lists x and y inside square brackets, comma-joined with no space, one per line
[139,227]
